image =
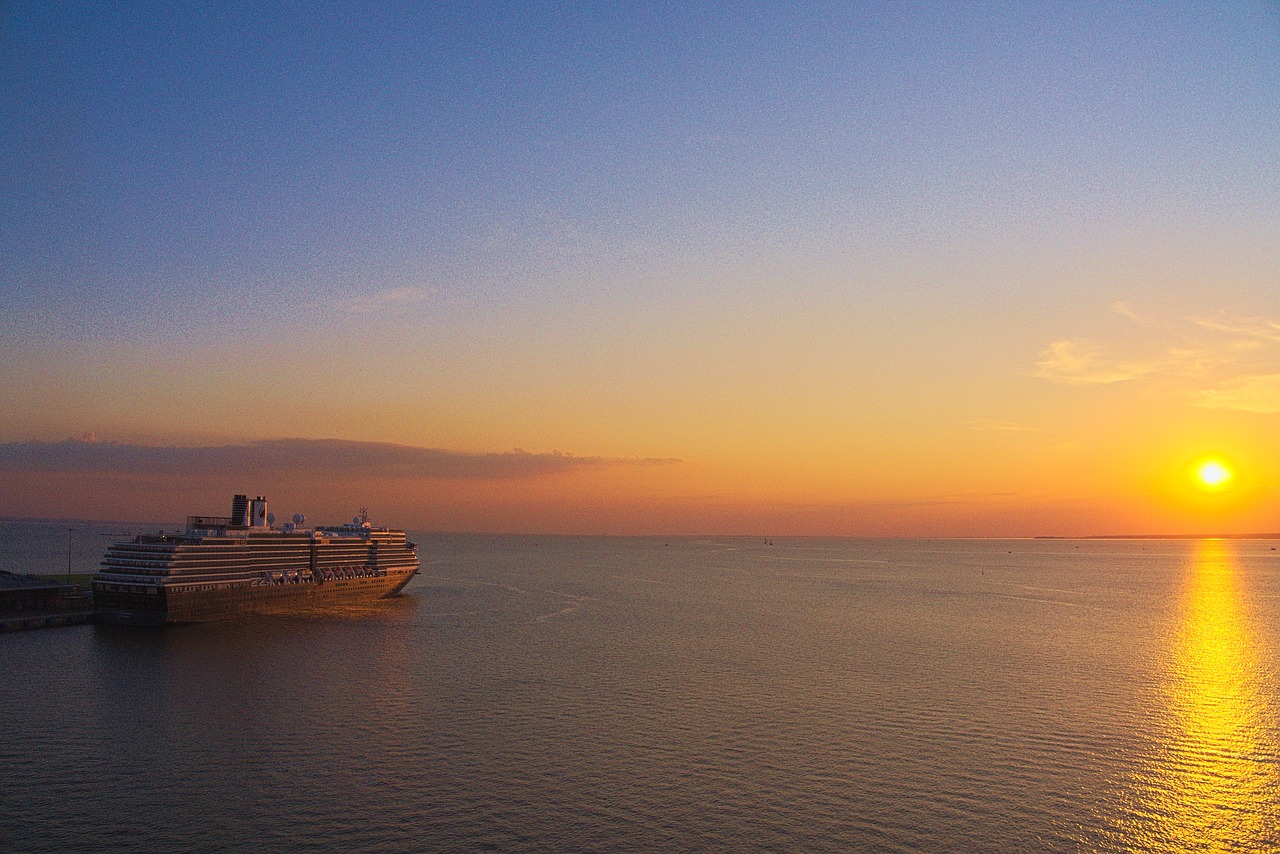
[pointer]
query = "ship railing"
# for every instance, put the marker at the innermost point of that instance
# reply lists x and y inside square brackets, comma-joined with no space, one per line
[210,522]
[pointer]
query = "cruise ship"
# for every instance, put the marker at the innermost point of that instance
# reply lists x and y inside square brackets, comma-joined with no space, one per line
[222,567]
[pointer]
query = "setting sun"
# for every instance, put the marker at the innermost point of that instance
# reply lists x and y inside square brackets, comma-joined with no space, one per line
[1213,474]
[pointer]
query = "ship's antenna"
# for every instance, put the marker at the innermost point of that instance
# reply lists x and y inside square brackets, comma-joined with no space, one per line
[364,515]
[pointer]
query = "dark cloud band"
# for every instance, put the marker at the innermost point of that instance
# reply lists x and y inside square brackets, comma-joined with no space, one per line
[338,456]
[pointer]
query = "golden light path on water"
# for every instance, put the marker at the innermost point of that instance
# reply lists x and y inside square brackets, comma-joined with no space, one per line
[1214,784]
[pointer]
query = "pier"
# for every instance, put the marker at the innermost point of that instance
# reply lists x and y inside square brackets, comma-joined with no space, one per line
[31,602]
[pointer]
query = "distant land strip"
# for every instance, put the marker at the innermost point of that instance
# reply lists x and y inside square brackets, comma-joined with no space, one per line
[1164,537]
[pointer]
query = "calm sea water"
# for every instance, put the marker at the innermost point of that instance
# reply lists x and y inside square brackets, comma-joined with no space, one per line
[647,694]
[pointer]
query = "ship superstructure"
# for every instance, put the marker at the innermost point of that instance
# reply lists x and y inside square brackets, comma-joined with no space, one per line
[221,567]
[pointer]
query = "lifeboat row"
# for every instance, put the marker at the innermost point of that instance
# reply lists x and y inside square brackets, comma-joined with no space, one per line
[319,576]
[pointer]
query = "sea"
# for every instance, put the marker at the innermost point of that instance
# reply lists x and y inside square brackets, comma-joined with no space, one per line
[672,694]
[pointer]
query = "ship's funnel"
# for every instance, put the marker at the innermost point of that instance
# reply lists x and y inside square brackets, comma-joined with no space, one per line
[258,512]
[240,511]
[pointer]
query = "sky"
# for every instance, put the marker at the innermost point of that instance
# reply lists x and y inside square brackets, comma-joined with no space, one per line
[855,269]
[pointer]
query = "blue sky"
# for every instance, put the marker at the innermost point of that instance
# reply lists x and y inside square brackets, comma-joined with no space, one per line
[158,151]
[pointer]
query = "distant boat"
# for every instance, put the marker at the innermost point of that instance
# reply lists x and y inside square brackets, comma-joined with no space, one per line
[223,567]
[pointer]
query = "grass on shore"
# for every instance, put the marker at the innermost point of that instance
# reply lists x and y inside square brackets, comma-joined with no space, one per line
[61,578]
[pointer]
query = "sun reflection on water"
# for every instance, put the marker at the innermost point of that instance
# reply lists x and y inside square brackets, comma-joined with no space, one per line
[1214,783]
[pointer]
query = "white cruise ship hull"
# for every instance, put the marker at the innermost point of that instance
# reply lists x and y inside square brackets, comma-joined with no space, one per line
[173,605]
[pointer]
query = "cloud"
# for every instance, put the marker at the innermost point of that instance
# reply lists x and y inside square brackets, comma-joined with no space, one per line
[1077,362]
[333,456]
[1219,362]
[386,300]
[1125,310]
[1250,327]
[1259,393]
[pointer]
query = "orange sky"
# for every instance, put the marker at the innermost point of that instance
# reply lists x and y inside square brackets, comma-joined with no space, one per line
[833,270]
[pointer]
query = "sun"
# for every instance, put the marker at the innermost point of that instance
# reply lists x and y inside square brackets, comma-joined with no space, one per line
[1213,475]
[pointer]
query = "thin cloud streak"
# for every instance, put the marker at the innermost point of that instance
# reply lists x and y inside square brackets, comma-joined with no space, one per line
[990,426]
[1251,327]
[1125,310]
[332,456]
[396,298]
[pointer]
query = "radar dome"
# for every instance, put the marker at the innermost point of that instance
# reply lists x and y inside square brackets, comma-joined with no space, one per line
[271,518]
[355,520]
[298,518]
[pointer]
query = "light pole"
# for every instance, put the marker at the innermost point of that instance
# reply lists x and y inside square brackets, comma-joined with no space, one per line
[69,530]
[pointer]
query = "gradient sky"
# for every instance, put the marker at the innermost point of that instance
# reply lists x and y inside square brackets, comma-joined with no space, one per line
[867,268]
